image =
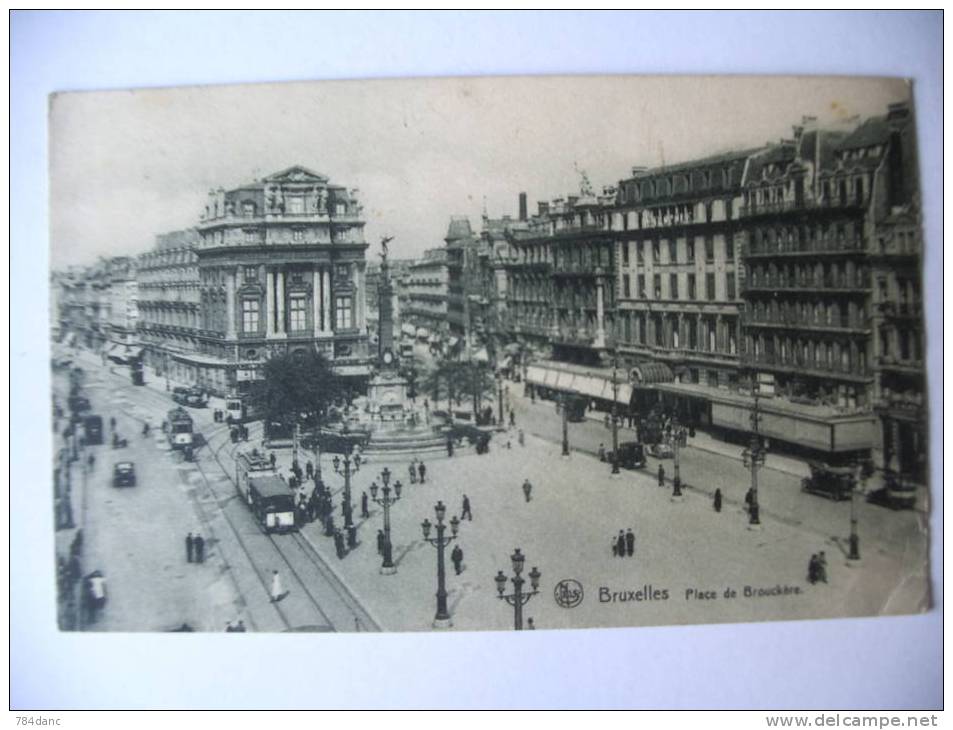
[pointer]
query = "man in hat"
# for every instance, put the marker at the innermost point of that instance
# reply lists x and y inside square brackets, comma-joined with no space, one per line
[189,547]
[456,556]
[199,543]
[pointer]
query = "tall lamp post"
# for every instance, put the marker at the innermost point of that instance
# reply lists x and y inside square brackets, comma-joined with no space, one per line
[346,466]
[563,397]
[677,438]
[615,414]
[753,457]
[853,555]
[499,396]
[385,501]
[517,599]
[442,618]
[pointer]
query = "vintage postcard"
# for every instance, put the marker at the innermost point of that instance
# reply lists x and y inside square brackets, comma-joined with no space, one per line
[487,354]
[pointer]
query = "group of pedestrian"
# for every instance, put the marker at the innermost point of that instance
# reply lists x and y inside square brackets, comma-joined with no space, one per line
[238,432]
[817,568]
[195,548]
[417,471]
[624,544]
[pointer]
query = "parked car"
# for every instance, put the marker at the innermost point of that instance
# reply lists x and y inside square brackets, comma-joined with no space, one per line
[124,474]
[833,482]
[661,450]
[631,455]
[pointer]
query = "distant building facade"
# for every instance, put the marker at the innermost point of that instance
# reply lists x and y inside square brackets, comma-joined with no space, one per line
[424,299]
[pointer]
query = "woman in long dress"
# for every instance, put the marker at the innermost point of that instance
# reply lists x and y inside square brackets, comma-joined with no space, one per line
[277,593]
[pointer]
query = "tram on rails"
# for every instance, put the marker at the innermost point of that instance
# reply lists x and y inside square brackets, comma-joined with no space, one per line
[179,425]
[267,496]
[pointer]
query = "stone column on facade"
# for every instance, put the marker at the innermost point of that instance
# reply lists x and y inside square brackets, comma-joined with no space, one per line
[316,301]
[359,297]
[280,309]
[600,340]
[270,304]
[720,344]
[326,300]
[682,338]
[230,305]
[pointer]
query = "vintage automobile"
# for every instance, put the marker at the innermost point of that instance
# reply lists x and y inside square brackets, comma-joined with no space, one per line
[124,474]
[631,455]
[661,450]
[833,482]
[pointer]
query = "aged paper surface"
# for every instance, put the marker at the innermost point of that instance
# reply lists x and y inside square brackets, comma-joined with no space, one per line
[636,350]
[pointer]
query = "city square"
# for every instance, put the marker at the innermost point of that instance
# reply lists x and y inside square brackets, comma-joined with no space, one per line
[694,395]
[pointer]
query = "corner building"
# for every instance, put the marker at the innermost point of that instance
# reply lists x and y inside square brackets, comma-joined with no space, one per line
[281,265]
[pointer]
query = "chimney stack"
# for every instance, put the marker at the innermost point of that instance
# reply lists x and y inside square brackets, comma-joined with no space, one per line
[523,212]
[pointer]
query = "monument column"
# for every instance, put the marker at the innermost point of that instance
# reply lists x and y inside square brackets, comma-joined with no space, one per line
[270,304]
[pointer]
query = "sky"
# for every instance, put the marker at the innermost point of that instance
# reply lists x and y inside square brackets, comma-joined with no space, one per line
[127,165]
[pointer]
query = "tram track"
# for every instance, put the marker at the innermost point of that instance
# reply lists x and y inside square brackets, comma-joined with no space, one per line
[303,552]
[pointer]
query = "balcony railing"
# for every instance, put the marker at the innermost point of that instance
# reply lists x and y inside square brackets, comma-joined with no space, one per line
[837,324]
[774,362]
[787,206]
[818,246]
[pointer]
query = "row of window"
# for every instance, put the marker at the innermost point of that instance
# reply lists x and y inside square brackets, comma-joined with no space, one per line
[653,248]
[297,313]
[673,287]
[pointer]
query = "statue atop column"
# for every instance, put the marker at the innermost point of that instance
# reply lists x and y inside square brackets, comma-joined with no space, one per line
[385,315]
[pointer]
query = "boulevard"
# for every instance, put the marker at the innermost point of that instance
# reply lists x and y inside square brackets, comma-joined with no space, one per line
[690,564]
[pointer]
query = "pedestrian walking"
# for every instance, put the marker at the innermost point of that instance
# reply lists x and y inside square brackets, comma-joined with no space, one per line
[812,569]
[423,472]
[822,567]
[602,452]
[512,418]
[530,624]
[749,499]
[717,501]
[189,547]
[615,548]
[521,437]
[412,470]
[661,475]
[339,544]
[240,627]
[199,543]
[309,470]
[527,490]
[465,511]
[456,556]
[277,592]
[381,538]
[272,459]
[449,446]
[91,461]
[620,544]
[364,511]
[629,542]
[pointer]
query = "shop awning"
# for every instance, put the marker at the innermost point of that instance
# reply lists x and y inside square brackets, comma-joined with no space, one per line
[591,387]
[649,373]
[564,381]
[535,375]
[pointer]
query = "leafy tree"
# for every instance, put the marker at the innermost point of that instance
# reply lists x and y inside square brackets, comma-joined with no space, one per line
[295,385]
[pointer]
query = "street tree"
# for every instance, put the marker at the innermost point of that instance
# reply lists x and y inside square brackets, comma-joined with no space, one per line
[295,387]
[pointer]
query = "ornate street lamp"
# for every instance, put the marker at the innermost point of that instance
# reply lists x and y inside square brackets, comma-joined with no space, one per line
[345,466]
[853,555]
[385,501]
[615,416]
[676,440]
[517,599]
[753,457]
[562,403]
[442,618]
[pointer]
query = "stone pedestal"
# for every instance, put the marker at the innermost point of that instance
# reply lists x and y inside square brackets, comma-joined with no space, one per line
[387,397]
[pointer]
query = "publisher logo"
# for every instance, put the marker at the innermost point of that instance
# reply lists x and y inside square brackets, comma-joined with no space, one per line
[568,593]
